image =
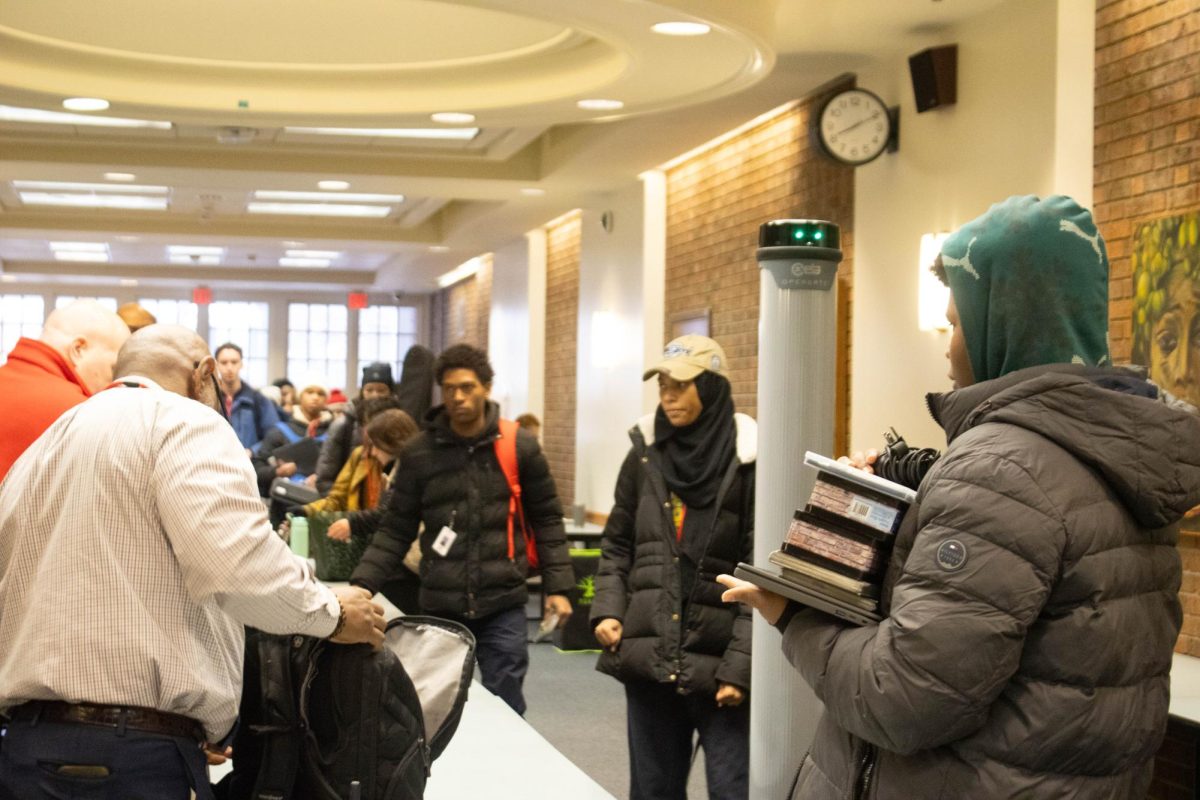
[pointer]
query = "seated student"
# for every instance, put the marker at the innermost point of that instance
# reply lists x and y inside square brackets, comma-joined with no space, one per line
[1032,599]
[309,420]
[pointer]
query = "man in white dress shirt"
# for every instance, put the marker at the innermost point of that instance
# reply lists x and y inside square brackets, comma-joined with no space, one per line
[133,548]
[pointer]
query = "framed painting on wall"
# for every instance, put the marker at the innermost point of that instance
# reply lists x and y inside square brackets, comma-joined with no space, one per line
[1166,309]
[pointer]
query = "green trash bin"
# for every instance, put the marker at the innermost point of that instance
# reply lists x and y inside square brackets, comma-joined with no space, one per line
[577,633]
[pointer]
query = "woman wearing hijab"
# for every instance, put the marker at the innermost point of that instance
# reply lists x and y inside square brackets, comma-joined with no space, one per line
[684,513]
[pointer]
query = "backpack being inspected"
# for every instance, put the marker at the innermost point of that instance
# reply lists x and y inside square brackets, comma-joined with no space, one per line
[318,718]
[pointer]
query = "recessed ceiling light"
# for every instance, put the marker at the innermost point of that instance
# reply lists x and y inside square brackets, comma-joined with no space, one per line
[128,281]
[18,114]
[319,209]
[293,244]
[304,262]
[333,186]
[128,238]
[463,134]
[533,191]
[8,278]
[339,197]
[600,104]
[79,247]
[201,261]
[85,104]
[326,254]
[453,117]
[102,188]
[74,256]
[121,201]
[119,176]
[439,248]
[681,28]
[195,250]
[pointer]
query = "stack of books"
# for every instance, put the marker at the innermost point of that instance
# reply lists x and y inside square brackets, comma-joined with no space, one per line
[837,547]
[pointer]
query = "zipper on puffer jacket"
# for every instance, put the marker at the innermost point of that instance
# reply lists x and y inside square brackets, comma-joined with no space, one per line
[866,770]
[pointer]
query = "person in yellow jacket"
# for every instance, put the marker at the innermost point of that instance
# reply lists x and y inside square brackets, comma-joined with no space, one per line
[366,474]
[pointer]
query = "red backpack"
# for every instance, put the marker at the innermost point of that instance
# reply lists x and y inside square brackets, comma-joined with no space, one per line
[506,454]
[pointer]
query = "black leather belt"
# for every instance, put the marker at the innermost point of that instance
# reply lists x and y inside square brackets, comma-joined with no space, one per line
[146,720]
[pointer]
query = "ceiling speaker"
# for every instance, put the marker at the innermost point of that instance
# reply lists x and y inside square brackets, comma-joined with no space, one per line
[934,77]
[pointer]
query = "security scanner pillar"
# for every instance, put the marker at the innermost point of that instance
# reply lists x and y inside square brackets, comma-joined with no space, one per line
[797,332]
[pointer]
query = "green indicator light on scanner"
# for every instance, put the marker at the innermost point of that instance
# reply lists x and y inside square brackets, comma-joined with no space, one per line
[818,235]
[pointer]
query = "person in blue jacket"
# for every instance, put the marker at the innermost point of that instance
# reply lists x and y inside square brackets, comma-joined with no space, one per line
[250,414]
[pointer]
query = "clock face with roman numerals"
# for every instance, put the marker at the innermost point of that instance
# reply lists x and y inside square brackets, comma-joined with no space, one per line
[854,127]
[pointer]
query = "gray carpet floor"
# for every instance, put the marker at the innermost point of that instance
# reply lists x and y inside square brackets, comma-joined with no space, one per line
[582,713]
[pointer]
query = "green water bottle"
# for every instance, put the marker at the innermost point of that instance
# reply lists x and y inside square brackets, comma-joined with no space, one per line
[299,537]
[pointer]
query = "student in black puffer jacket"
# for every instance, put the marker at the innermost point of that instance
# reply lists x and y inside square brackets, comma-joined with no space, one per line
[450,478]
[684,514]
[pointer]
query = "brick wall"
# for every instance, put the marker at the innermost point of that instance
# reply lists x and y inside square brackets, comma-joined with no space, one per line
[562,330]
[715,204]
[459,313]
[1147,165]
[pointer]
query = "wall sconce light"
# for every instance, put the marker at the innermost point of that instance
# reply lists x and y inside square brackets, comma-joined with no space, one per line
[932,295]
[610,340]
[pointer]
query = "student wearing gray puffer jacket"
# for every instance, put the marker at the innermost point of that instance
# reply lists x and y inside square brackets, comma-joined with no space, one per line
[1032,596]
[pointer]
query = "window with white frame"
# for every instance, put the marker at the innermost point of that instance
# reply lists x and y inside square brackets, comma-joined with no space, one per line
[173,312]
[384,334]
[66,299]
[246,325]
[20,315]
[317,340]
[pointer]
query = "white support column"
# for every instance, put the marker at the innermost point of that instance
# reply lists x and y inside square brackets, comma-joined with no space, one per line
[654,276]
[537,321]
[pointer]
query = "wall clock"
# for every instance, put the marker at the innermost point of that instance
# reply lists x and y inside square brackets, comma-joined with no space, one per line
[855,127]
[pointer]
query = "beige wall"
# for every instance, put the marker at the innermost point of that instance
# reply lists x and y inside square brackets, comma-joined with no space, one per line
[952,164]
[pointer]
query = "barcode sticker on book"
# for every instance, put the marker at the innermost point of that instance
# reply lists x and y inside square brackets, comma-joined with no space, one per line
[859,509]
[875,514]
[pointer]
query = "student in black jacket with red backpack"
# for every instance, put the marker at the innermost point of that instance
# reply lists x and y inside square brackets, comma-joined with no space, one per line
[474,558]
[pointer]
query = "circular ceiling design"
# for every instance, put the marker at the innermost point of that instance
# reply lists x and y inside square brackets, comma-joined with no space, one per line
[297,32]
[376,62]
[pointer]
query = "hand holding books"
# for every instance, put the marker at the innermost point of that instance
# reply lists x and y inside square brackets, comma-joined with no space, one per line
[765,602]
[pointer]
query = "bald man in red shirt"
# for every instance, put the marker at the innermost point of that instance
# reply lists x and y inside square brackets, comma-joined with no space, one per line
[71,360]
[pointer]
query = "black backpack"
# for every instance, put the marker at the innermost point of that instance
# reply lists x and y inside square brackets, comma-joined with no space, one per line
[318,718]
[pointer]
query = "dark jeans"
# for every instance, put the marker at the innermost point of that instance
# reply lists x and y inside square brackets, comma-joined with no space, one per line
[661,722]
[53,760]
[503,654]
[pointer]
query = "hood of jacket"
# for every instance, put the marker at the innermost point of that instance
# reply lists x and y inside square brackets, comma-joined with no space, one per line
[1144,444]
[747,435]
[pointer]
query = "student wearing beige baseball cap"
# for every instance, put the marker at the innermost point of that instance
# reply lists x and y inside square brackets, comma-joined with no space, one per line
[684,497]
